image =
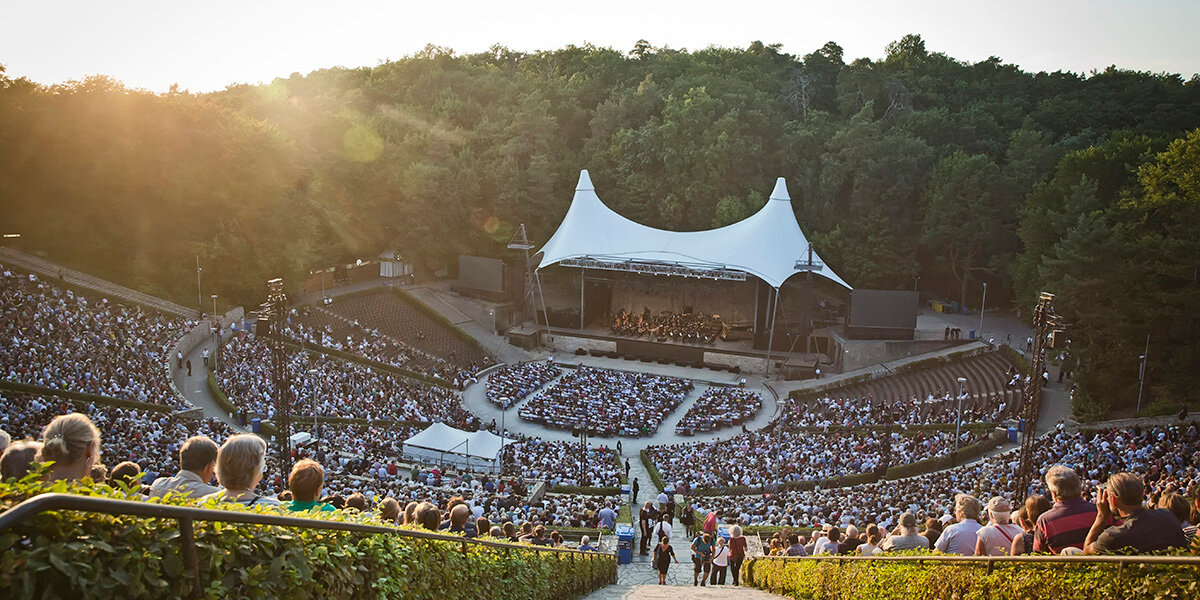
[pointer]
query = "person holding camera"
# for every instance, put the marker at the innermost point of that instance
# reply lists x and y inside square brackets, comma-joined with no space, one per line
[1142,529]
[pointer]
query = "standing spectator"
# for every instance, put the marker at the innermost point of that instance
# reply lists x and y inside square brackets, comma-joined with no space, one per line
[996,539]
[710,522]
[720,563]
[204,354]
[1142,529]
[663,554]
[647,518]
[179,359]
[702,548]
[198,464]
[608,517]
[72,443]
[687,518]
[663,528]
[960,538]
[633,491]
[737,551]
[906,536]
[240,464]
[1066,524]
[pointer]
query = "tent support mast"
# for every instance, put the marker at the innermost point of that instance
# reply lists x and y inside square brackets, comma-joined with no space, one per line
[771,337]
[582,279]
[537,276]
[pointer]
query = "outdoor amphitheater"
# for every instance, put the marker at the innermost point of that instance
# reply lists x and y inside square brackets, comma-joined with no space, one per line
[579,323]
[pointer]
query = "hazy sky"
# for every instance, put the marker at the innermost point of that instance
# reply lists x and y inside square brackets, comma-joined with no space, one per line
[207,45]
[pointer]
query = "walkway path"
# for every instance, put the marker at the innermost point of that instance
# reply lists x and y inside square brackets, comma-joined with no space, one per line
[195,387]
[653,591]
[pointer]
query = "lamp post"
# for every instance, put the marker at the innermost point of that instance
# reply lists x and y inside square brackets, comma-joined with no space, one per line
[313,398]
[962,388]
[1142,373]
[199,296]
[982,306]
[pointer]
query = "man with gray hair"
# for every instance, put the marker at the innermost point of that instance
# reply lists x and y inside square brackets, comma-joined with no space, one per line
[906,536]
[1066,524]
[960,537]
[5,440]
[850,544]
[1143,529]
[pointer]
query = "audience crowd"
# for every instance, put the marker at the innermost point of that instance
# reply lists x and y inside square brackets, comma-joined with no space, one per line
[337,388]
[561,463]
[313,326]
[719,407]
[770,459]
[935,408]
[510,384]
[607,403]
[56,338]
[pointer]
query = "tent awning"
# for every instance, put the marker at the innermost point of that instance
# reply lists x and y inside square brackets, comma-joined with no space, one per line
[768,244]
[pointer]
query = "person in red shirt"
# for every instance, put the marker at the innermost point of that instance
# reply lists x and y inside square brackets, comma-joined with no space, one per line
[737,551]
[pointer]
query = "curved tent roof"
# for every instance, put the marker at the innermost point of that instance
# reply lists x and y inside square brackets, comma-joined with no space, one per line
[766,244]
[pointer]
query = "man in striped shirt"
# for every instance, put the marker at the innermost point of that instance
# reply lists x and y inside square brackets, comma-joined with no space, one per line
[1067,523]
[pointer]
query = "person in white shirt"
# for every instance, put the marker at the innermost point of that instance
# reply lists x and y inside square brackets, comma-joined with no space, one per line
[198,462]
[960,538]
[828,544]
[996,539]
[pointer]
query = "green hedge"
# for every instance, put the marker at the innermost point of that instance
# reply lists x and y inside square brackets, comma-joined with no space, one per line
[362,360]
[219,396]
[653,470]
[902,580]
[585,490]
[67,554]
[82,398]
[946,461]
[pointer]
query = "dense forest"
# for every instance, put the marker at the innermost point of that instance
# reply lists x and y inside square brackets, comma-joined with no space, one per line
[915,169]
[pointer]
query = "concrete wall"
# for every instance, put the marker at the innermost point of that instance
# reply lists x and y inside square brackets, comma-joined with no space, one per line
[198,335]
[748,364]
[568,343]
[859,354]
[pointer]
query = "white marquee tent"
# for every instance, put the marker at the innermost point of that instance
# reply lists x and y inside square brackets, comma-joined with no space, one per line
[444,445]
[768,244]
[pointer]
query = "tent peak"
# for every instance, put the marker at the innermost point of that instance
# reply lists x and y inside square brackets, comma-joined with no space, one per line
[585,182]
[781,191]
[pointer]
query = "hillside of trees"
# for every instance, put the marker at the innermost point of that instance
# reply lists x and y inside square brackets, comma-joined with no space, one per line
[915,169]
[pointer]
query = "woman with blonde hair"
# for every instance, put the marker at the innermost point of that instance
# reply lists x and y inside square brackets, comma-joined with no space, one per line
[72,443]
[240,464]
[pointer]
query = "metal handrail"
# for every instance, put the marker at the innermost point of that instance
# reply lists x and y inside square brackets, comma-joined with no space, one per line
[186,515]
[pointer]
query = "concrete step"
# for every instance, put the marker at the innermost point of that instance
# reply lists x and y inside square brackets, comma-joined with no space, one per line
[653,591]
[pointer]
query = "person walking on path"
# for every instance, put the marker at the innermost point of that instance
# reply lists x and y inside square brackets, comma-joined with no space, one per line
[737,551]
[702,549]
[633,490]
[205,355]
[663,553]
[627,467]
[720,563]
[189,367]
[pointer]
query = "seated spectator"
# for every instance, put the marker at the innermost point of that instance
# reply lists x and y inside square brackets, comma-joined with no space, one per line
[933,531]
[72,443]
[357,501]
[240,464]
[305,482]
[1178,505]
[906,536]
[99,473]
[1142,529]
[1066,524]
[5,440]
[960,538]
[539,537]
[851,543]
[389,511]
[1194,494]
[871,546]
[1027,517]
[198,465]
[828,544]
[460,516]
[428,516]
[585,544]
[128,474]
[17,458]
[996,538]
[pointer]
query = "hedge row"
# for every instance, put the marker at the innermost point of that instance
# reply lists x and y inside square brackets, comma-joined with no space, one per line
[82,398]
[653,470]
[901,580]
[946,461]
[219,395]
[67,554]
[584,490]
[899,429]
[374,364]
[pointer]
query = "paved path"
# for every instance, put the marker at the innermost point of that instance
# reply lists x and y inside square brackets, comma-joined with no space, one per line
[653,591]
[195,387]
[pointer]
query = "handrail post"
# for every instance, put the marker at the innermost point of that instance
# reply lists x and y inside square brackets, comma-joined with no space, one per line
[187,539]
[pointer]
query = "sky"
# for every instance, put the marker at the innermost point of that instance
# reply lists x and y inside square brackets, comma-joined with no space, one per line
[205,46]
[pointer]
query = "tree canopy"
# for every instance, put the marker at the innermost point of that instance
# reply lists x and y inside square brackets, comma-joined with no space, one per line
[914,165]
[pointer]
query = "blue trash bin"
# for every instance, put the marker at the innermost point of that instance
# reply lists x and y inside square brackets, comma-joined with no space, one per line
[255,424]
[1022,426]
[1012,434]
[624,544]
[625,489]
[971,334]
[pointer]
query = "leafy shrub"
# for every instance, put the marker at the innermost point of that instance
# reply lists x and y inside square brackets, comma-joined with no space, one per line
[832,579]
[219,396]
[67,554]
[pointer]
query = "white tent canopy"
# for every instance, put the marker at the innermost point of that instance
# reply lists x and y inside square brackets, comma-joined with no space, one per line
[767,244]
[442,444]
